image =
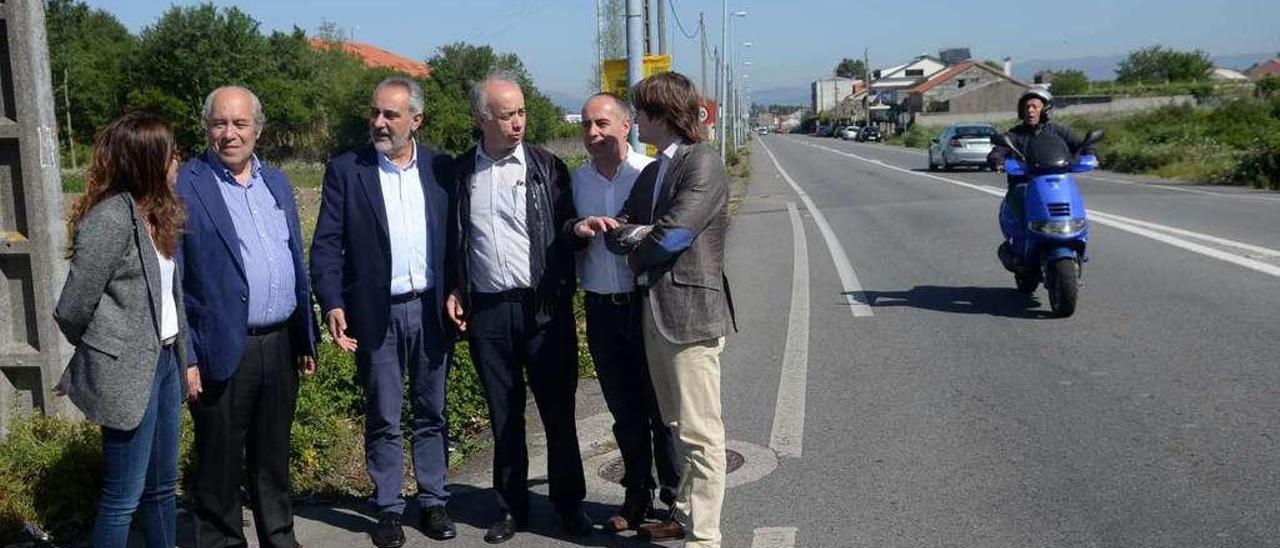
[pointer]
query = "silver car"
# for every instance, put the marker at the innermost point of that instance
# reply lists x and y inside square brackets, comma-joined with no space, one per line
[962,145]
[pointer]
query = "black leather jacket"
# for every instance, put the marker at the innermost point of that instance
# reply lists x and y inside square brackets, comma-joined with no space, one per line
[549,216]
[1021,134]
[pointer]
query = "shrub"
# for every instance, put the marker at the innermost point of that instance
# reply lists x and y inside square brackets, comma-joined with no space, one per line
[47,467]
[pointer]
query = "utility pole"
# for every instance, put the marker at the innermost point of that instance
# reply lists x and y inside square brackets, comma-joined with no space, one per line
[662,27]
[866,77]
[635,55]
[66,102]
[648,28]
[600,44]
[721,122]
[702,35]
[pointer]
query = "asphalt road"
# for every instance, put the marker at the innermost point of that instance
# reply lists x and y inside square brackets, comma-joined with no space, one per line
[941,408]
[890,388]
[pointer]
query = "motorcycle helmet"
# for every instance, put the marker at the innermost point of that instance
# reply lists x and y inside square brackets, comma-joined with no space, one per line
[1036,93]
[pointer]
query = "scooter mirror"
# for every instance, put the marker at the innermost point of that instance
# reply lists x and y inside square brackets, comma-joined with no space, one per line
[1003,139]
[1093,137]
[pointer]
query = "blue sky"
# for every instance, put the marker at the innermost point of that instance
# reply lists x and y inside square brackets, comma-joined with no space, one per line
[793,41]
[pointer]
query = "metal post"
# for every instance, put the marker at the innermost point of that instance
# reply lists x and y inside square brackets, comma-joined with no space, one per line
[66,103]
[635,56]
[662,27]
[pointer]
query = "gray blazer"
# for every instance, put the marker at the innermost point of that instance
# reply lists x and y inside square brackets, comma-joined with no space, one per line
[110,310]
[682,258]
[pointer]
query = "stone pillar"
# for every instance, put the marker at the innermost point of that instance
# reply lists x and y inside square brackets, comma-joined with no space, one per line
[32,220]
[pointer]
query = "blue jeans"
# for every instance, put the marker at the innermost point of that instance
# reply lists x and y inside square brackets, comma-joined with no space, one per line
[141,467]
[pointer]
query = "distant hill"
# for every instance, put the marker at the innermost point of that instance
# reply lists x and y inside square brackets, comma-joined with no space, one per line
[570,102]
[792,95]
[1104,67]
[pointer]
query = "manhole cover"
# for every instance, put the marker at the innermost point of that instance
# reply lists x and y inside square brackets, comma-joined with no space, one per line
[612,471]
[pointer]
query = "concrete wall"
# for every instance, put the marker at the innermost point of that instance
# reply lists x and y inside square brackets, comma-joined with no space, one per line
[826,94]
[962,84]
[1118,106]
[998,94]
[32,234]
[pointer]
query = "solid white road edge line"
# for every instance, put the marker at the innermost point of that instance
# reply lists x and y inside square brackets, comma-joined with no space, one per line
[774,537]
[787,438]
[848,278]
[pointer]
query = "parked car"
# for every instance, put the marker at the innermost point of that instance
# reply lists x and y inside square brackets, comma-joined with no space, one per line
[869,133]
[837,131]
[965,144]
[823,131]
[850,133]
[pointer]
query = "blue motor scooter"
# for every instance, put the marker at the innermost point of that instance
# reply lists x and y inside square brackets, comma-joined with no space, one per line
[1049,245]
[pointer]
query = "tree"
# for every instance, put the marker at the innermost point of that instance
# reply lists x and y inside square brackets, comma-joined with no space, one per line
[191,51]
[851,68]
[1070,82]
[88,52]
[454,68]
[1156,64]
[1267,86]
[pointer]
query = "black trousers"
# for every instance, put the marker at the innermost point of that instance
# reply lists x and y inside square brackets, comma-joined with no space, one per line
[246,419]
[507,345]
[616,340]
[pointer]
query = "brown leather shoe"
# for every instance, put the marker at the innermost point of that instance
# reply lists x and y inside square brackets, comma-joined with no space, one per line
[630,516]
[663,530]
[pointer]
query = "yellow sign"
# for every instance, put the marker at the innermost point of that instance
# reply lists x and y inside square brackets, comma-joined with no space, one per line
[614,72]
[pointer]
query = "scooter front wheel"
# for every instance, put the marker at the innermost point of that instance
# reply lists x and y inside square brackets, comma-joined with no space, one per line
[1063,286]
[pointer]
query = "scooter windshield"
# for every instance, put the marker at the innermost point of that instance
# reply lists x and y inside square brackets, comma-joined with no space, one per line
[1048,153]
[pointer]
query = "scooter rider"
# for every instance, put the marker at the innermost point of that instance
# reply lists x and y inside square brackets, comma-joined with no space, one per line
[1034,107]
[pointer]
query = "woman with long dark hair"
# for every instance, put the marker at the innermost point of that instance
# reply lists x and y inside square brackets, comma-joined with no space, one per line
[121,307]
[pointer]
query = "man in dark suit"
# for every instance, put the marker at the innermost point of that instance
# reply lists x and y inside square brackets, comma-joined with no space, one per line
[672,232]
[252,328]
[511,281]
[377,261]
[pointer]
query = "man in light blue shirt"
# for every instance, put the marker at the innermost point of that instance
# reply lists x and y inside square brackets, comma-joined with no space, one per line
[249,307]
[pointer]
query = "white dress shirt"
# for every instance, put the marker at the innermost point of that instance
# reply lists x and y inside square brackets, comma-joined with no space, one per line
[499,258]
[600,271]
[406,225]
[664,162]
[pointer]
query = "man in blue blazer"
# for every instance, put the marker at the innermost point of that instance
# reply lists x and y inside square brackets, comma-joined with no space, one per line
[252,328]
[377,262]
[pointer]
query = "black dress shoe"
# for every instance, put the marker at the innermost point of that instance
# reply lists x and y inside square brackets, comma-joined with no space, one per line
[388,533]
[576,524]
[437,525]
[505,528]
[632,514]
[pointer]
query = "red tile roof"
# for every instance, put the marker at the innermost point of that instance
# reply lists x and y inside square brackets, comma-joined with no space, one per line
[953,72]
[376,57]
[1270,67]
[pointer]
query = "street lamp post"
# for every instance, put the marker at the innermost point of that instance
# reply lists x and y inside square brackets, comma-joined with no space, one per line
[736,101]
[726,35]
